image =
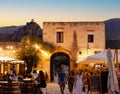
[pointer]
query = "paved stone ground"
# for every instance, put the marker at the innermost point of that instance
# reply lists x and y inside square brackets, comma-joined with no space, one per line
[53,88]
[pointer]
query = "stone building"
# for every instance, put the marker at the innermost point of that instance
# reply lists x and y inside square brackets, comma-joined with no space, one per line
[73,40]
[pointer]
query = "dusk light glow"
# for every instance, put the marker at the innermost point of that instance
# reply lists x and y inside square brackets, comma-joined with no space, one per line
[18,12]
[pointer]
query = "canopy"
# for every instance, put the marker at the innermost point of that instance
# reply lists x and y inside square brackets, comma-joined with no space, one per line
[10,60]
[16,62]
[100,57]
[96,58]
[112,77]
[6,59]
[86,60]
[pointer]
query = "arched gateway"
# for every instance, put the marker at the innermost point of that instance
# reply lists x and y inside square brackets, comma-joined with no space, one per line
[58,60]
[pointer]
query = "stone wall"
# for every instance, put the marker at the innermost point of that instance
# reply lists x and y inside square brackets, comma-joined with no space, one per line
[82,30]
[76,38]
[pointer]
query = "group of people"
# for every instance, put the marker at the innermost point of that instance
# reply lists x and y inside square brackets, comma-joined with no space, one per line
[70,79]
[81,78]
[38,79]
[12,76]
[76,79]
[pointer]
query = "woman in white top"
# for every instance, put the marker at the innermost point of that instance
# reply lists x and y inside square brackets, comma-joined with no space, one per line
[34,76]
[79,83]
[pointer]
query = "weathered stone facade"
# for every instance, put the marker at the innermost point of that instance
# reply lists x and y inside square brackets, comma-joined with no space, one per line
[71,38]
[75,38]
[82,30]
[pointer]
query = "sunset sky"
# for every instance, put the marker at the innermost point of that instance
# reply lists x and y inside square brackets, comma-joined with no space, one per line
[18,12]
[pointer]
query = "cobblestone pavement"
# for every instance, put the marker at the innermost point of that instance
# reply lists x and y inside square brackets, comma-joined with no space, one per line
[53,88]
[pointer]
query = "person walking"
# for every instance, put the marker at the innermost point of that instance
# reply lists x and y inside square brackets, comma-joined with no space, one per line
[79,82]
[70,80]
[62,80]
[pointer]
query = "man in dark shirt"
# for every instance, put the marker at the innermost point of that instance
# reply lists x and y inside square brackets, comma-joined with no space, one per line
[28,75]
[62,80]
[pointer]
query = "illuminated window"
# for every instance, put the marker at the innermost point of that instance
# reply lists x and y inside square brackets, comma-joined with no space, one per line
[59,37]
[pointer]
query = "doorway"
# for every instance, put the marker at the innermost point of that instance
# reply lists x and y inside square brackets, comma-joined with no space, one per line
[58,60]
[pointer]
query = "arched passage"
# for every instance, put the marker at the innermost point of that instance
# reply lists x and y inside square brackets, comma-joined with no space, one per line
[58,60]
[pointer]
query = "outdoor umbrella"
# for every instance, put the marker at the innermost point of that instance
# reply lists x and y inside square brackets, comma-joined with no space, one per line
[112,78]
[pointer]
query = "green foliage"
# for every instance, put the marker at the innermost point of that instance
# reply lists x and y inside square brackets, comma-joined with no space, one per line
[48,47]
[28,51]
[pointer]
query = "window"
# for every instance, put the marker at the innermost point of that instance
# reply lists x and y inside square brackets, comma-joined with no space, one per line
[59,37]
[90,38]
[80,52]
[96,52]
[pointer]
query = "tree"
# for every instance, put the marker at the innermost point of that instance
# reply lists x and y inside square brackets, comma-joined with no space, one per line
[31,48]
[48,47]
[28,52]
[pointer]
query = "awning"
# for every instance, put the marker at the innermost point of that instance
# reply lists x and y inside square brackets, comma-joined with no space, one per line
[16,62]
[6,59]
[10,60]
[100,57]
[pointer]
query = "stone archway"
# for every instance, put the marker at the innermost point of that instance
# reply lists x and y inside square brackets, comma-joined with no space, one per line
[57,60]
